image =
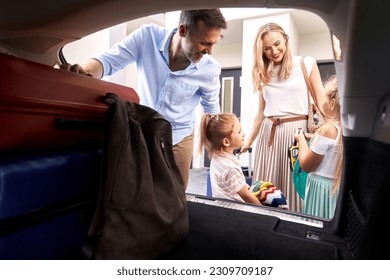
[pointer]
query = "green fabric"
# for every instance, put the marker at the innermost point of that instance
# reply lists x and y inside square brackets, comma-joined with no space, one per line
[299,179]
[319,200]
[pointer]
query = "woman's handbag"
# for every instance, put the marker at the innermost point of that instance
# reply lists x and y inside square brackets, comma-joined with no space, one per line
[315,117]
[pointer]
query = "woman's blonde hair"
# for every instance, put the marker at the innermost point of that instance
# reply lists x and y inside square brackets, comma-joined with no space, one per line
[213,129]
[262,66]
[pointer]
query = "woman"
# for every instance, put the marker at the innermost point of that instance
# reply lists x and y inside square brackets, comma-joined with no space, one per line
[283,106]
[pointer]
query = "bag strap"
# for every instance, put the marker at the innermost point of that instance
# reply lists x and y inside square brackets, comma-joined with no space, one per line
[308,84]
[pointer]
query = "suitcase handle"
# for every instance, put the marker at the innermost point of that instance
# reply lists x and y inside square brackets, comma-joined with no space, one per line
[237,151]
[77,124]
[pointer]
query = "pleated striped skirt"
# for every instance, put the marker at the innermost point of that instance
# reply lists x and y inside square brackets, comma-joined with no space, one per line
[271,162]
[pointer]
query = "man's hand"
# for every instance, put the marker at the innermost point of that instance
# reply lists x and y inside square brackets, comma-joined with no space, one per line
[74,68]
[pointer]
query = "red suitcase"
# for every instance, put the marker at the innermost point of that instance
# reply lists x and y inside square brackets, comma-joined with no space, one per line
[45,107]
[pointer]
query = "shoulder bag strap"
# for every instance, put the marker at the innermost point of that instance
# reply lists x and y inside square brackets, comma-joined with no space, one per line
[310,90]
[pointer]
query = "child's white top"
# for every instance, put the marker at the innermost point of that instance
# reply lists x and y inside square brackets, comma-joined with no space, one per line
[330,149]
[226,177]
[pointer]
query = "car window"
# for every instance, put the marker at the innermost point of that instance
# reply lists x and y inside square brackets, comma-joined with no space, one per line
[234,51]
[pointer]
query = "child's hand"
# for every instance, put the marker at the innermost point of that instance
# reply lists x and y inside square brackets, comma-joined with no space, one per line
[308,136]
[244,148]
[299,134]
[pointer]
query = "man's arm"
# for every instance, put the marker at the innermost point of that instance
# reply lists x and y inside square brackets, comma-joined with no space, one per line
[92,67]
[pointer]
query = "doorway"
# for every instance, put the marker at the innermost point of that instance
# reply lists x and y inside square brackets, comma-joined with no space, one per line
[229,97]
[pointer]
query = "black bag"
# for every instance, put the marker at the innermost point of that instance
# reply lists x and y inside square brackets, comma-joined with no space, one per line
[142,211]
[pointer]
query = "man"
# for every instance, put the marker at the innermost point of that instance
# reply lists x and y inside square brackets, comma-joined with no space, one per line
[175,69]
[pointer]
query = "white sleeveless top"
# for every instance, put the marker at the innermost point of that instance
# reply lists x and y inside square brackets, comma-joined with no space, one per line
[330,149]
[288,97]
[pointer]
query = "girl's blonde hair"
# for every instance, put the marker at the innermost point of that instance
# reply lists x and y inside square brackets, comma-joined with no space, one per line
[332,93]
[262,66]
[213,129]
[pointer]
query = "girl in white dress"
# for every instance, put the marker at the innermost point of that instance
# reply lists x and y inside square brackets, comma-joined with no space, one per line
[323,159]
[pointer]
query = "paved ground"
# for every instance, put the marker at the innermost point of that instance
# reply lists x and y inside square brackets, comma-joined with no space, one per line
[198,181]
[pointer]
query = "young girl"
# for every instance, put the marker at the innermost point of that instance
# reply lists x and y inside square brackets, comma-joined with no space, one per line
[323,159]
[221,134]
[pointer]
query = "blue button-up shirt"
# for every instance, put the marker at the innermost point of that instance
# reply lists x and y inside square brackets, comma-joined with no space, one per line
[173,94]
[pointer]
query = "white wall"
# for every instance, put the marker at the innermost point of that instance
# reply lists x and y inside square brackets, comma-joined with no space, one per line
[317,45]
[228,55]
[89,46]
[95,44]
